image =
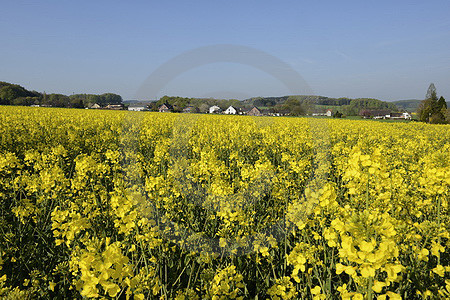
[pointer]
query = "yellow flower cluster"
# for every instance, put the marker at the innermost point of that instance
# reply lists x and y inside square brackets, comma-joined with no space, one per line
[226,284]
[115,204]
[282,289]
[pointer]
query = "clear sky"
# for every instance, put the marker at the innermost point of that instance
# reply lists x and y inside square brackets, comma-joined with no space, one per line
[388,50]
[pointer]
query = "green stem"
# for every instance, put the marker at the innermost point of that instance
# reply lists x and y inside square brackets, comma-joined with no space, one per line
[369,289]
[439,225]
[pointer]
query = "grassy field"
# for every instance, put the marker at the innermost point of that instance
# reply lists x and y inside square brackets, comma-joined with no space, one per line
[377,120]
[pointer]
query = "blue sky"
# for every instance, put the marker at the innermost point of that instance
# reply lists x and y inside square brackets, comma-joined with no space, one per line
[388,50]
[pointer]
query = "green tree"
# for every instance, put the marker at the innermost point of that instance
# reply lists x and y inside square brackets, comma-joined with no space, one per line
[9,93]
[58,100]
[447,115]
[441,103]
[337,114]
[431,92]
[439,116]
[153,106]
[203,108]
[24,101]
[110,98]
[425,110]
[432,110]
[76,103]
[14,94]
[294,106]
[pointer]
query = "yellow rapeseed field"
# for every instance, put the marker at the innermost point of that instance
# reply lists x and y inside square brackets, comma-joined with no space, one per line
[136,205]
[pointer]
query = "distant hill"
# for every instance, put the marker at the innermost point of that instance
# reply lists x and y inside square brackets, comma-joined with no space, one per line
[408,105]
[14,94]
[312,103]
[309,99]
[300,104]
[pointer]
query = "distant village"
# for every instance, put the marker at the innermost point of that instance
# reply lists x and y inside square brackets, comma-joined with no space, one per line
[214,109]
[255,111]
[293,105]
[231,110]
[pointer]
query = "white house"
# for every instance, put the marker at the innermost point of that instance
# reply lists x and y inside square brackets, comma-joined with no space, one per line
[407,116]
[402,115]
[115,106]
[214,109]
[328,113]
[136,108]
[230,111]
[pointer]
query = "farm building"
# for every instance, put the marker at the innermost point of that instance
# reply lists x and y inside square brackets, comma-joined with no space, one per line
[254,111]
[230,111]
[165,107]
[137,107]
[402,115]
[215,109]
[115,106]
[375,113]
[190,109]
[327,113]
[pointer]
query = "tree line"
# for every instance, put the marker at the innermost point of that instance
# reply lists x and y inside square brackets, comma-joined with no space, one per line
[433,110]
[292,105]
[14,94]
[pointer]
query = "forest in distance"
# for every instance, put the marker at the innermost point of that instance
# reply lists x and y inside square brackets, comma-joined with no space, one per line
[294,105]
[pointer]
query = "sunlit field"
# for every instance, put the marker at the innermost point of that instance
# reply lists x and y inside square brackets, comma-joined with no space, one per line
[138,205]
